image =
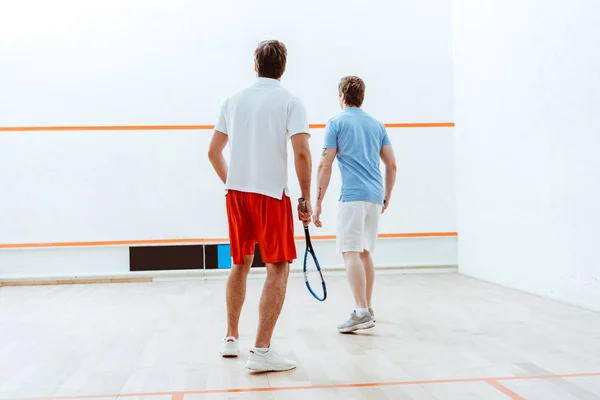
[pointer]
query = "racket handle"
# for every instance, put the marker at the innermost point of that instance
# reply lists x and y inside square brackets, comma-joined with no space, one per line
[302,204]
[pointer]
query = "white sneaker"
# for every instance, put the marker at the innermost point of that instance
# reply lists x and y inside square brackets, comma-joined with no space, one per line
[230,347]
[269,361]
[355,323]
[372,313]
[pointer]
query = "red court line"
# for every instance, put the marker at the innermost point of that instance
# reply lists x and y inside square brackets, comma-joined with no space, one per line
[106,128]
[416,235]
[198,241]
[422,125]
[520,378]
[504,390]
[189,127]
[178,395]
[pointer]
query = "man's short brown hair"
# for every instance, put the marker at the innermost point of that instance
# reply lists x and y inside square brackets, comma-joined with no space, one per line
[353,89]
[270,57]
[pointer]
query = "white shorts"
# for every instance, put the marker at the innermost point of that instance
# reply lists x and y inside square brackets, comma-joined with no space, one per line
[358,223]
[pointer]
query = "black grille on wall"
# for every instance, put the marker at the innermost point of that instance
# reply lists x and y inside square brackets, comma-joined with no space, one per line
[258,262]
[183,257]
[165,258]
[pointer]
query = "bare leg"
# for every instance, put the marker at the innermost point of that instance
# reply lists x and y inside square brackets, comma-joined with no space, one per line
[271,302]
[236,294]
[356,278]
[367,262]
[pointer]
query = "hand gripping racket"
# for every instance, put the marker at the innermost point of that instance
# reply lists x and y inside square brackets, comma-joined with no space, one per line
[313,276]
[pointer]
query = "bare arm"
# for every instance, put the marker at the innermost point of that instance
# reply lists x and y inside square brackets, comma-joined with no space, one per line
[323,178]
[389,160]
[303,163]
[215,154]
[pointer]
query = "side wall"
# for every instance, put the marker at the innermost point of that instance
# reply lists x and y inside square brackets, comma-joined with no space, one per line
[527,82]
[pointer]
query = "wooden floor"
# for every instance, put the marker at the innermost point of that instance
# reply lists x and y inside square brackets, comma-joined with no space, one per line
[440,336]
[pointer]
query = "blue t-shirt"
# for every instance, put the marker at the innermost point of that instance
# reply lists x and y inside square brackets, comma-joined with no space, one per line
[358,138]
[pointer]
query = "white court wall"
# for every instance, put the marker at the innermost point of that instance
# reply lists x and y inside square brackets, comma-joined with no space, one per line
[527,101]
[105,186]
[134,62]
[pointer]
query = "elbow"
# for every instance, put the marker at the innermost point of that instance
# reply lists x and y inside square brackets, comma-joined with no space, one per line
[392,166]
[212,155]
[324,168]
[303,155]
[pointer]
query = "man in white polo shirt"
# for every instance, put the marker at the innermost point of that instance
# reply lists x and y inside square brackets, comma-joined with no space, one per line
[258,122]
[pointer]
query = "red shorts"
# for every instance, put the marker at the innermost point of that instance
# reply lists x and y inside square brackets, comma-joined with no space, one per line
[256,218]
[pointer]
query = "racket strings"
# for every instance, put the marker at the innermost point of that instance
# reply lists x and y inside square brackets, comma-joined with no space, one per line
[313,276]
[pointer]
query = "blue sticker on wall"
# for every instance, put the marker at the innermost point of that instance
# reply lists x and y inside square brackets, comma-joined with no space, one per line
[223,251]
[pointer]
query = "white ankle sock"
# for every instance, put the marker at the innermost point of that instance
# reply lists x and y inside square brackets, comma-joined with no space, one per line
[261,350]
[361,312]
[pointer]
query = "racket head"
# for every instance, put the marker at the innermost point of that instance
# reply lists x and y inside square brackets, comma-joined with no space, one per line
[313,277]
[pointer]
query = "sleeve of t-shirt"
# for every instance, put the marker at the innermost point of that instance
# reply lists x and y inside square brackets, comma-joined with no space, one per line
[331,134]
[385,140]
[221,125]
[297,121]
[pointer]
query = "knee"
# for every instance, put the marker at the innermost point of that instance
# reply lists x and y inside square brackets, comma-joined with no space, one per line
[239,272]
[242,268]
[348,255]
[279,270]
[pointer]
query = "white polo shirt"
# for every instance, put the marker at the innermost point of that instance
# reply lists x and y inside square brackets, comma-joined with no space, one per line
[259,121]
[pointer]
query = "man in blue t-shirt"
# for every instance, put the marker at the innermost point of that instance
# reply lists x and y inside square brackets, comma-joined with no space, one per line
[359,141]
